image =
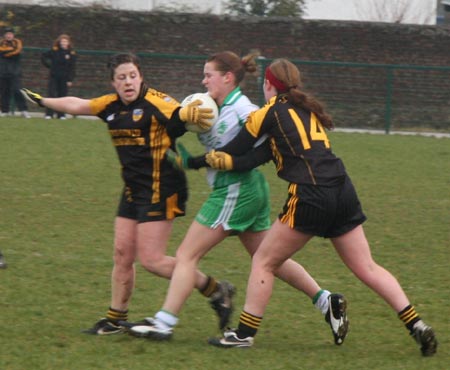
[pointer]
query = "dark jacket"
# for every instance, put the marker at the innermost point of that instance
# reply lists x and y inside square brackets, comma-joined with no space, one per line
[61,63]
[10,57]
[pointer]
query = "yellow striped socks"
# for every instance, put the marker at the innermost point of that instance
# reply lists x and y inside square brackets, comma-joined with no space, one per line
[248,325]
[409,316]
[210,287]
[116,315]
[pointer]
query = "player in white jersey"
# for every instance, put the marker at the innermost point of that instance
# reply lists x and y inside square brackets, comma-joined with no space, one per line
[233,192]
[237,205]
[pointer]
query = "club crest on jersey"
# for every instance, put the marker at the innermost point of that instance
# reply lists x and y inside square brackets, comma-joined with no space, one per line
[110,117]
[137,114]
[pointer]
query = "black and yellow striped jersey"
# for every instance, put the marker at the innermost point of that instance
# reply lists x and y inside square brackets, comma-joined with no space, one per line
[142,132]
[298,141]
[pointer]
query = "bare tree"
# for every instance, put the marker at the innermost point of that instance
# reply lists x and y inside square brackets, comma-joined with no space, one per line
[397,11]
[266,8]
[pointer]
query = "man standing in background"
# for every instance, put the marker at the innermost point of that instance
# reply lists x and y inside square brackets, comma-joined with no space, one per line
[10,73]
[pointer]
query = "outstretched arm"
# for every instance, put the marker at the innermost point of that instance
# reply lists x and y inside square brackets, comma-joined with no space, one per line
[67,104]
[220,160]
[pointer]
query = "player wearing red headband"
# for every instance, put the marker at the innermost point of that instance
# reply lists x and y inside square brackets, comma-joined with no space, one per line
[321,201]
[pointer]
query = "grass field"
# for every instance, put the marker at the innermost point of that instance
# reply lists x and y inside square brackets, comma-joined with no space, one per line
[59,191]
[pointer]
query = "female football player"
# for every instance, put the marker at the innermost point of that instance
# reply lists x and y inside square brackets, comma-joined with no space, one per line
[143,124]
[321,201]
[237,205]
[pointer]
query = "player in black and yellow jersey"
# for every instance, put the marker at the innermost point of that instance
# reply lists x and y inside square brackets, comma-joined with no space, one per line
[321,202]
[143,124]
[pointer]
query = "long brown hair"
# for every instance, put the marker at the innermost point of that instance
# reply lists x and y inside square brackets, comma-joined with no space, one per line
[227,61]
[289,75]
[57,45]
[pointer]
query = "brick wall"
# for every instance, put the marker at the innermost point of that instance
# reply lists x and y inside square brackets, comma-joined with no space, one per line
[191,34]
[200,35]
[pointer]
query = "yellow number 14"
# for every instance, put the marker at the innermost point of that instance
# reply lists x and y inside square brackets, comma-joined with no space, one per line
[316,132]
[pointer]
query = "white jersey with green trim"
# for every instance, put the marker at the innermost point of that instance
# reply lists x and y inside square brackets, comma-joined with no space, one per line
[232,116]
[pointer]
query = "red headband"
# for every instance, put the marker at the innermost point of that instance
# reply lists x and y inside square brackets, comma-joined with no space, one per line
[280,86]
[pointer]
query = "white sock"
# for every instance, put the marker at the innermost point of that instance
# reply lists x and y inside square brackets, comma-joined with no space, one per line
[322,302]
[165,320]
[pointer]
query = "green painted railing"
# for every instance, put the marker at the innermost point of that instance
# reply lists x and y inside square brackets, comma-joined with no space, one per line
[358,95]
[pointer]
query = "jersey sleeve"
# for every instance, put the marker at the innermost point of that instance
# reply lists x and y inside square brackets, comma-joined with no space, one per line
[165,103]
[252,131]
[255,121]
[197,162]
[254,158]
[98,105]
[167,112]
[72,65]
[241,144]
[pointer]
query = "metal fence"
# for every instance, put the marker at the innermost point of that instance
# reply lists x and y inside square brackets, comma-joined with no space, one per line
[364,96]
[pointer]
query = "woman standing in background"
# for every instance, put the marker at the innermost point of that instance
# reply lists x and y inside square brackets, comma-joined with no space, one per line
[60,60]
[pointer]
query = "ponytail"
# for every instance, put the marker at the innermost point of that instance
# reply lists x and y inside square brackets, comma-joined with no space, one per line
[287,76]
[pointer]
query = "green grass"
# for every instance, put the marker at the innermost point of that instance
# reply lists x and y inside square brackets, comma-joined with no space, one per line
[59,191]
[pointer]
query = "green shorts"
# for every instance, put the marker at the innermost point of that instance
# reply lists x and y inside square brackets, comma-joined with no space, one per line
[241,206]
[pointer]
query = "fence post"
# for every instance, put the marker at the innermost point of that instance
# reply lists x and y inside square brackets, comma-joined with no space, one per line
[263,63]
[388,105]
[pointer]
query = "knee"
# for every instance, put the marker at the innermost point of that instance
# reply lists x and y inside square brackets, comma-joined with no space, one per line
[123,257]
[367,272]
[264,263]
[158,264]
[185,257]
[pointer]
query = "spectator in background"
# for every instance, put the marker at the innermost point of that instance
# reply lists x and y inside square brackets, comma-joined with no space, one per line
[10,73]
[60,60]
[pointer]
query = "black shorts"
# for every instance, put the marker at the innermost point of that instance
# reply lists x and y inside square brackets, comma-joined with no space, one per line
[167,209]
[323,211]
